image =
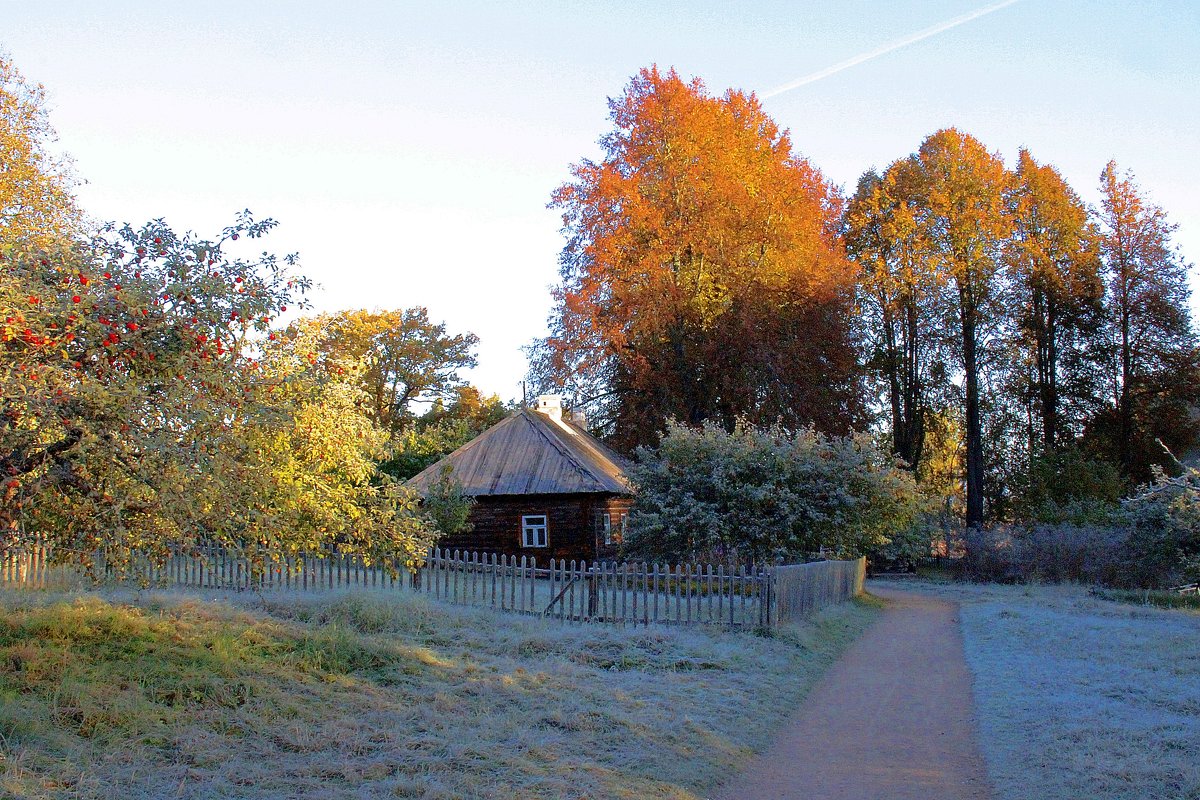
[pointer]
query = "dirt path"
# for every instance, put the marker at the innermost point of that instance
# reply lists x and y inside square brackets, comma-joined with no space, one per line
[893,719]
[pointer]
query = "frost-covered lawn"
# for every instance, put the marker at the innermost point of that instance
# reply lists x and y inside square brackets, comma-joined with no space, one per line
[363,696]
[1083,698]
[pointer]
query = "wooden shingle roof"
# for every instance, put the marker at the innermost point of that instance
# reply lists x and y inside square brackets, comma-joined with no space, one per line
[530,453]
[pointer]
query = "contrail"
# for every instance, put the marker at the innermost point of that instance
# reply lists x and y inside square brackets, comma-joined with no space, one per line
[887,48]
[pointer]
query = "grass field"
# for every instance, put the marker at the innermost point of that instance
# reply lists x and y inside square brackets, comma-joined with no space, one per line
[353,696]
[1082,697]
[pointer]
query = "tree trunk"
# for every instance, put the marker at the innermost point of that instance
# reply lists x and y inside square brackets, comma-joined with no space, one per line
[974,432]
[1125,404]
[1050,379]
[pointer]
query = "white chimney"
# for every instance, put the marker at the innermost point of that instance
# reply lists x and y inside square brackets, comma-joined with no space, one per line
[551,406]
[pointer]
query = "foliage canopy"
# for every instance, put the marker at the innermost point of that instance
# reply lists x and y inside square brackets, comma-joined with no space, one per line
[703,275]
[145,398]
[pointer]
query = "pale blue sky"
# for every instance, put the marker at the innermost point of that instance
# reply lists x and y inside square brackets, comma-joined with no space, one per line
[409,150]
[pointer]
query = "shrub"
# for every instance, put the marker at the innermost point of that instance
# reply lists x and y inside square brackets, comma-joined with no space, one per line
[1165,516]
[758,493]
[1043,552]
[447,506]
[1152,540]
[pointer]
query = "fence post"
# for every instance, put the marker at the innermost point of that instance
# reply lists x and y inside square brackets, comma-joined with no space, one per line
[593,595]
[769,599]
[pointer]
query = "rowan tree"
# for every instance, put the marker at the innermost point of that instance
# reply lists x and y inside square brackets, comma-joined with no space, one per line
[137,409]
[124,362]
[703,275]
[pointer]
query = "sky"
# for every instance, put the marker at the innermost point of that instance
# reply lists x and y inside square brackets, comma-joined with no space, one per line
[409,150]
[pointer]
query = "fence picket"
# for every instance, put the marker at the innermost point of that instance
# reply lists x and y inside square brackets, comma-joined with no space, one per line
[644,573]
[688,589]
[601,594]
[624,583]
[532,583]
[473,566]
[490,560]
[512,582]
[672,594]
[570,577]
[654,593]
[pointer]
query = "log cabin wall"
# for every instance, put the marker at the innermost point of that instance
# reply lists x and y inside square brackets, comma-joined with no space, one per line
[617,508]
[572,529]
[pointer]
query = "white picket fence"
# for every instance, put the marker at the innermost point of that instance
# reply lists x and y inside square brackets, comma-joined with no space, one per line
[629,593]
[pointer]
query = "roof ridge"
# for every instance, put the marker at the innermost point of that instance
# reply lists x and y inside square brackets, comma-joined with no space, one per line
[593,446]
[561,447]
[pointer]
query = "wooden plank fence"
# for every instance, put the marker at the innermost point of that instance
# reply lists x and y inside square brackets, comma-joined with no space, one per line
[618,593]
[628,593]
[204,567]
[801,589]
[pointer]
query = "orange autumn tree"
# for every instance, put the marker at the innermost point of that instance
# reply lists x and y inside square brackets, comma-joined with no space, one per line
[703,276]
[1057,288]
[36,206]
[966,225]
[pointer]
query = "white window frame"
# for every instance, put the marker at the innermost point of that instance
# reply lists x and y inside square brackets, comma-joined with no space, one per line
[612,535]
[531,528]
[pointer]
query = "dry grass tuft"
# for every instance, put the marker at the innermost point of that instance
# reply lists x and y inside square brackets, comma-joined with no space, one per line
[366,695]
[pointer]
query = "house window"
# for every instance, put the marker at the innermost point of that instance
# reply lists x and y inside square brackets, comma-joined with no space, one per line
[533,530]
[613,533]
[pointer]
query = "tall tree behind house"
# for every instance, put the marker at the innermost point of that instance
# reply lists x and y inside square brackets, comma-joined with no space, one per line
[966,225]
[1057,296]
[1151,344]
[704,276]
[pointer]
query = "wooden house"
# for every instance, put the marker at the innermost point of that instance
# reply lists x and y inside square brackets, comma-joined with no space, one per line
[542,486]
